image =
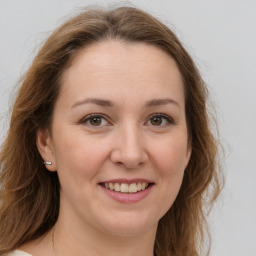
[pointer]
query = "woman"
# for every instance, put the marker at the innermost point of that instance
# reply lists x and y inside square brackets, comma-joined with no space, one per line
[109,149]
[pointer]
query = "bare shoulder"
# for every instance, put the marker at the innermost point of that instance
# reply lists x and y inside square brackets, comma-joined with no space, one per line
[39,247]
[18,253]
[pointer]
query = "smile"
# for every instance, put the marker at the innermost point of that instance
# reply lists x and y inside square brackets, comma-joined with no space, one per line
[127,191]
[125,187]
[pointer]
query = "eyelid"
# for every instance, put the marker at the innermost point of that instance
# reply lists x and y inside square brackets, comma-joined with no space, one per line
[168,118]
[90,116]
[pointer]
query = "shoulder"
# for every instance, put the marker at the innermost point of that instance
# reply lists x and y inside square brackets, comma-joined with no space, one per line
[18,253]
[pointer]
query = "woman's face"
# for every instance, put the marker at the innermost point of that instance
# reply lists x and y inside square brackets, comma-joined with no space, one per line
[118,124]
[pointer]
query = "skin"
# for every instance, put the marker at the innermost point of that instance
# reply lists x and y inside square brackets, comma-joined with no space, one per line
[128,143]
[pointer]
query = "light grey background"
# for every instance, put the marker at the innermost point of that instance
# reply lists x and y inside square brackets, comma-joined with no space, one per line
[221,36]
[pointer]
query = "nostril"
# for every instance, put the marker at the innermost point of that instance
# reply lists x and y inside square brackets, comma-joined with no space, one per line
[129,155]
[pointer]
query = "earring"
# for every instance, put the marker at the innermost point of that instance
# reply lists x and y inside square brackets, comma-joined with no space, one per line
[47,163]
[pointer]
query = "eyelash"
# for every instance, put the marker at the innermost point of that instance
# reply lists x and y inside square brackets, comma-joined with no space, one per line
[165,117]
[161,116]
[90,118]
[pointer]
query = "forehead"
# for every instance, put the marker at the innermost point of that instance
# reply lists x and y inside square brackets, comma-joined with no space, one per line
[110,68]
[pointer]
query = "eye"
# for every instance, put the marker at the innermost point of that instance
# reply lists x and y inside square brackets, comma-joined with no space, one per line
[160,120]
[95,120]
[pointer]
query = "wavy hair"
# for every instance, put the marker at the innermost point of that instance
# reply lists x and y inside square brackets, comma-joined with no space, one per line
[29,196]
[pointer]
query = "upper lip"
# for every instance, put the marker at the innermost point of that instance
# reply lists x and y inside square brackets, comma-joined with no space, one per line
[127,181]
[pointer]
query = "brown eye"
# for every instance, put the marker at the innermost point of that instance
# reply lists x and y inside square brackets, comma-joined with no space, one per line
[157,120]
[160,120]
[95,121]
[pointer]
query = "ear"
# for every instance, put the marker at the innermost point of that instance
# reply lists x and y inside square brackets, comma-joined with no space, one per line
[45,147]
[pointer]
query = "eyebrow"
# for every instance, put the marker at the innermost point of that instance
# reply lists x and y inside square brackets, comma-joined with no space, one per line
[160,102]
[108,103]
[100,102]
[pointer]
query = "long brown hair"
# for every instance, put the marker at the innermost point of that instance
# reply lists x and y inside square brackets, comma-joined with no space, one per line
[30,194]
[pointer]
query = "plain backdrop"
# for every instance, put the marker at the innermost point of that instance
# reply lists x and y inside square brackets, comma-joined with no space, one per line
[220,35]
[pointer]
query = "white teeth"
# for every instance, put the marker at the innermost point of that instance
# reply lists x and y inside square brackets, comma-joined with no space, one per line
[117,187]
[133,188]
[126,188]
[111,186]
[139,186]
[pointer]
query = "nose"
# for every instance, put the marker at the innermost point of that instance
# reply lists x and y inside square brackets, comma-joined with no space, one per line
[129,148]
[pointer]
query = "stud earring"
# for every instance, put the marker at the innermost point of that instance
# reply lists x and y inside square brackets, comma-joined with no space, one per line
[47,163]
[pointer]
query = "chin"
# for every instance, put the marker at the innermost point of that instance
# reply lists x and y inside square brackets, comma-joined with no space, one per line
[129,224]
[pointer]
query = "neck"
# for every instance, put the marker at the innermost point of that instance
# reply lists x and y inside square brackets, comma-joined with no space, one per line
[88,241]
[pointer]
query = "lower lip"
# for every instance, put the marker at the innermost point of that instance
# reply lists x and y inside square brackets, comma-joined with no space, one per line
[128,197]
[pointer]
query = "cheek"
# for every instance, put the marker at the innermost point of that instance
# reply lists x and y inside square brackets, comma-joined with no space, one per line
[79,155]
[171,156]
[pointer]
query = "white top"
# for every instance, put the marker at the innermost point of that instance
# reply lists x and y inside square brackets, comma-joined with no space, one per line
[18,253]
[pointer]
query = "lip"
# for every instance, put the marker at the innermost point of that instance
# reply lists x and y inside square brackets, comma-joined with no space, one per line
[127,197]
[128,181]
